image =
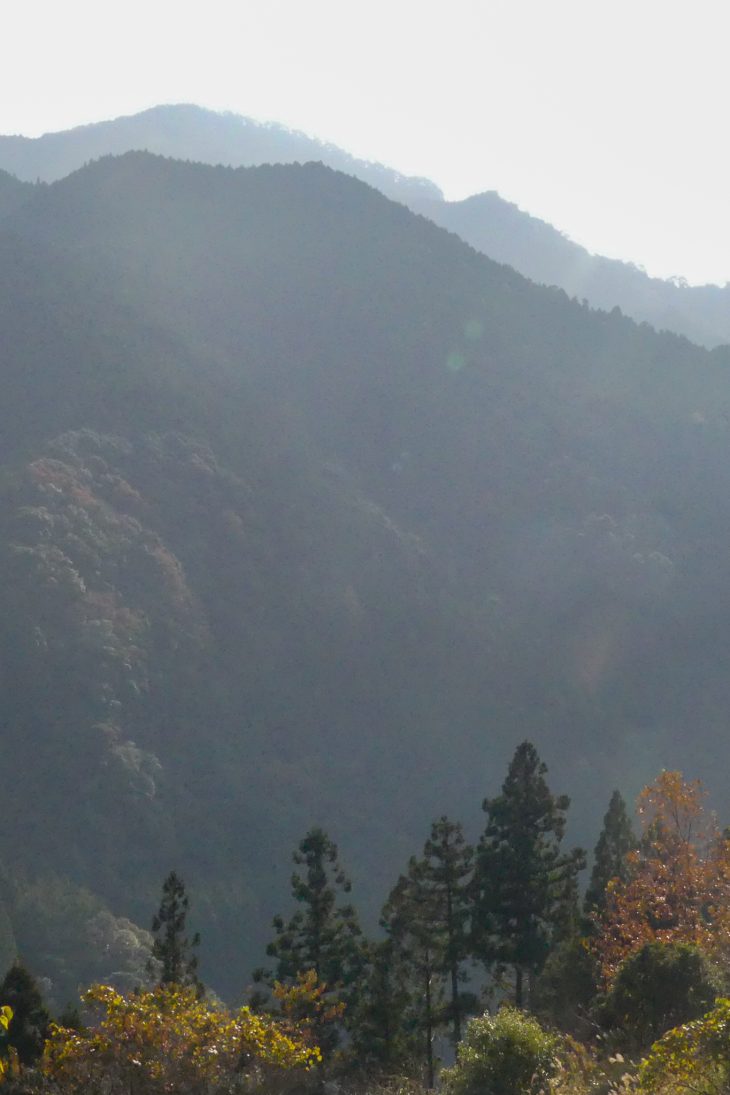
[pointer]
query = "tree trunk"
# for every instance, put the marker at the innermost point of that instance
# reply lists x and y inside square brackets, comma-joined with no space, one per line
[429,1033]
[518,986]
[454,967]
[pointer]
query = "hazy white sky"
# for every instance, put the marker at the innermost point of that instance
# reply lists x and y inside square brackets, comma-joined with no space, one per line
[610,120]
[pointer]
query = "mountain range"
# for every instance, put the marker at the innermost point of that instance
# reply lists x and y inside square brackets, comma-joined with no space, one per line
[309,513]
[486,221]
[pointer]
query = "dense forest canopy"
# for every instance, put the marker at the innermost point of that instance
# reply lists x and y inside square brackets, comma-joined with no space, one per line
[309,513]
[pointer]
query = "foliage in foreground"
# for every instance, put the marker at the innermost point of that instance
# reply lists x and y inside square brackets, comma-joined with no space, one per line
[169,1040]
[504,1054]
[692,1058]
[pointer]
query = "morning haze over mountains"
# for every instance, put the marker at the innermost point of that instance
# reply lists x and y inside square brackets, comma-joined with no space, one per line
[310,513]
[486,221]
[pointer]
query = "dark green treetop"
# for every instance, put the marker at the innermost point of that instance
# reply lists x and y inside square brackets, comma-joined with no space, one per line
[615,842]
[323,935]
[173,959]
[522,878]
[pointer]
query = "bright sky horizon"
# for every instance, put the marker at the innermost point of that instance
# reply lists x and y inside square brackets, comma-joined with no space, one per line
[607,120]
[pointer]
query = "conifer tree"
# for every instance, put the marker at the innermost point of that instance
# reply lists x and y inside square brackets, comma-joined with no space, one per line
[522,878]
[173,959]
[408,917]
[447,870]
[322,935]
[614,844]
[427,921]
[29,1025]
[381,1022]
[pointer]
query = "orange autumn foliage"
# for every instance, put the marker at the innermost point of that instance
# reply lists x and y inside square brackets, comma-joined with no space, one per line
[678,889]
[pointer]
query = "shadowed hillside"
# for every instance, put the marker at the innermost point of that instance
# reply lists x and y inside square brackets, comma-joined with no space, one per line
[310,513]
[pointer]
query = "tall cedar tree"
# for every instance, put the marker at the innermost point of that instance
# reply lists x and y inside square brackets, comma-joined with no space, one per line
[610,860]
[567,985]
[522,879]
[321,935]
[447,872]
[29,1025]
[173,961]
[408,917]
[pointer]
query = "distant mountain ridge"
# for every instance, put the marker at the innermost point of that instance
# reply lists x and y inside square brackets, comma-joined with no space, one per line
[508,234]
[486,221]
[187,132]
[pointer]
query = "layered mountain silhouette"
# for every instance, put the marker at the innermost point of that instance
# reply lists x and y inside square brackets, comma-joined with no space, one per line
[308,514]
[486,221]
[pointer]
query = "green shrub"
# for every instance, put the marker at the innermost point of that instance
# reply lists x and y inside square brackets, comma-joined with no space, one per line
[657,988]
[504,1054]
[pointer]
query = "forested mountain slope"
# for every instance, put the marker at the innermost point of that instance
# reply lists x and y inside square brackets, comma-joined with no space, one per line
[308,514]
[486,221]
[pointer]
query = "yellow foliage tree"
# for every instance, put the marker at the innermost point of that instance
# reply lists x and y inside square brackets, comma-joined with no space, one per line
[305,1005]
[678,885]
[153,1043]
[692,1058]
